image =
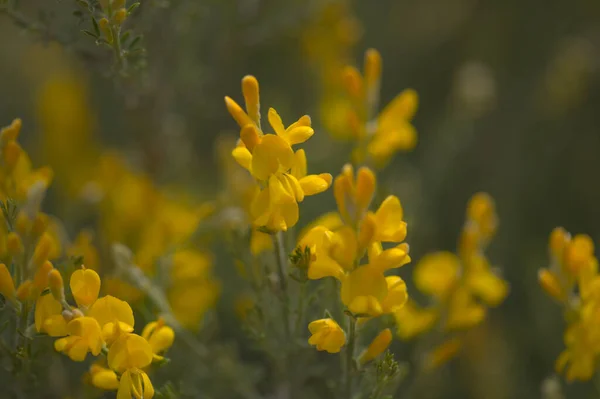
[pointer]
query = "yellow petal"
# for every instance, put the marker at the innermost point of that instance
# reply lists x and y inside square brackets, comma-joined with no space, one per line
[85,286]
[45,307]
[250,136]
[129,351]
[125,384]
[237,112]
[388,218]
[401,108]
[298,135]
[105,379]
[294,186]
[315,184]
[363,289]
[379,344]
[271,155]
[252,98]
[243,157]
[109,309]
[299,166]
[276,123]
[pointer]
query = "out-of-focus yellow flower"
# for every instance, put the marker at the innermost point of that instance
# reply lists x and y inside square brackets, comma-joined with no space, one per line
[193,289]
[381,136]
[437,274]
[461,286]
[280,172]
[84,336]
[572,279]
[442,354]
[413,320]
[327,335]
[379,344]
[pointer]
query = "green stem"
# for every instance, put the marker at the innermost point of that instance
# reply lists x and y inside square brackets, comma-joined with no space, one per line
[349,357]
[116,36]
[281,259]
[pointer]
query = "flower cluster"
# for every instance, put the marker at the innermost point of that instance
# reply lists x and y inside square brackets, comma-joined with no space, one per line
[461,286]
[32,285]
[572,279]
[280,171]
[349,246]
[380,136]
[101,325]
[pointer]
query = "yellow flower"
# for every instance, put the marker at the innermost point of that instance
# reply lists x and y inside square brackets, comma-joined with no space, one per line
[135,383]
[437,274]
[271,160]
[396,295]
[379,136]
[128,356]
[353,197]
[379,344]
[48,317]
[159,336]
[327,335]
[364,290]
[412,320]
[84,336]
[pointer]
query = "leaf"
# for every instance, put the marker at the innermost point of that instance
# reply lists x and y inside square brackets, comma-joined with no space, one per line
[133,7]
[96,27]
[91,34]
[125,36]
[135,41]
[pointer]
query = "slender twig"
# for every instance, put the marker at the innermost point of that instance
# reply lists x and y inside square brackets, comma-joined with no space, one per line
[349,368]
[281,259]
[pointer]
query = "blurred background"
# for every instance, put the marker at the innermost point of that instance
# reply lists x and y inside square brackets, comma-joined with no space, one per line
[509,104]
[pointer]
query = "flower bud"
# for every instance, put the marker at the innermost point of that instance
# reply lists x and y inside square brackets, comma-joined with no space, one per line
[365,188]
[120,16]
[23,224]
[550,283]
[40,224]
[104,26]
[159,336]
[40,279]
[42,251]
[24,291]
[55,282]
[251,97]
[14,244]
[7,285]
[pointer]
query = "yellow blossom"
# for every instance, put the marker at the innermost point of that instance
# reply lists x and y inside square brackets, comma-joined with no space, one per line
[128,356]
[364,290]
[412,320]
[159,336]
[84,336]
[327,335]
[49,318]
[104,378]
